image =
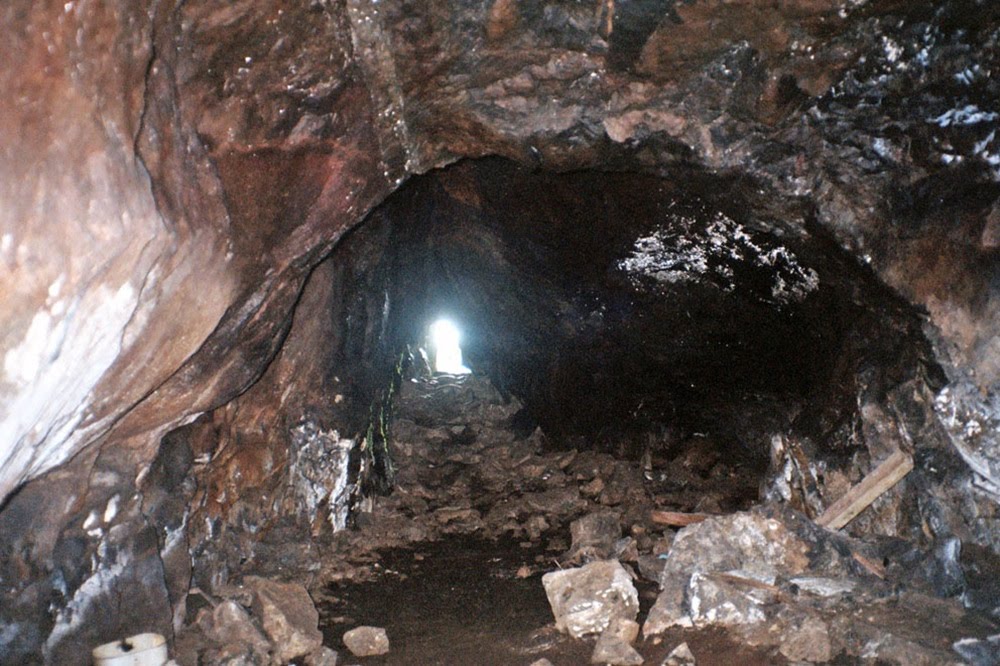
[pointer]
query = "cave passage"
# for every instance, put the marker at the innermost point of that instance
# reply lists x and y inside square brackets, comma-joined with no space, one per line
[554,355]
[639,315]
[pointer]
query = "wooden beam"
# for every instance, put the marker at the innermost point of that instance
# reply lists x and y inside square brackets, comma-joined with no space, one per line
[860,497]
[676,518]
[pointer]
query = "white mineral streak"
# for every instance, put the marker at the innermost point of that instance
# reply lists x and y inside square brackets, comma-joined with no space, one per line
[319,471]
[50,373]
[686,251]
[972,426]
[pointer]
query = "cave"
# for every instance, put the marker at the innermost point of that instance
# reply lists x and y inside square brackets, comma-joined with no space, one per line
[451,332]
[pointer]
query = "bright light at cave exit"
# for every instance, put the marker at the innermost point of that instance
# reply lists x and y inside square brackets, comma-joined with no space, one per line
[445,338]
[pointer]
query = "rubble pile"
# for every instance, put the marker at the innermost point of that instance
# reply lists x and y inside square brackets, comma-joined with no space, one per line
[260,622]
[769,576]
[462,467]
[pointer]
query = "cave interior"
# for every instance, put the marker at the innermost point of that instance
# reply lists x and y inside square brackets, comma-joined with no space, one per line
[725,278]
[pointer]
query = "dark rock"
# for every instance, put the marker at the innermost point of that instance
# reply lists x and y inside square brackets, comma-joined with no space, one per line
[593,537]
[651,567]
[979,652]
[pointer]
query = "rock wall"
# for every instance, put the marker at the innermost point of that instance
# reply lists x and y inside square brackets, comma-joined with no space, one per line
[172,171]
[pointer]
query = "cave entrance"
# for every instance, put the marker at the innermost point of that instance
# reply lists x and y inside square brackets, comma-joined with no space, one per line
[444,342]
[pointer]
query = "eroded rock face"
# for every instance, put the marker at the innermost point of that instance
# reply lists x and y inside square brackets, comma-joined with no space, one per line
[171,173]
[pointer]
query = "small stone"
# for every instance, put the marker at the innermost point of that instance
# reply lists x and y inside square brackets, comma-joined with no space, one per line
[322,657]
[587,599]
[536,526]
[288,616]
[809,642]
[541,662]
[594,537]
[622,629]
[592,488]
[367,641]
[680,656]
[615,645]
[651,566]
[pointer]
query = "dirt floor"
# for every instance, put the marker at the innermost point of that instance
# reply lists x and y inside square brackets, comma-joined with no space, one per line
[465,600]
[451,562]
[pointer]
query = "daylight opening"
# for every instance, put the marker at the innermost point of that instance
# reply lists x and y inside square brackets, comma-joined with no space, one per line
[445,346]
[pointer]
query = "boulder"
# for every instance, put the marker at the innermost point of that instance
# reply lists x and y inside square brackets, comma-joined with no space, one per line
[751,545]
[587,599]
[288,616]
[230,623]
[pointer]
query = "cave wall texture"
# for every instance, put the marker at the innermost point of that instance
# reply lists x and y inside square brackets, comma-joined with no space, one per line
[172,173]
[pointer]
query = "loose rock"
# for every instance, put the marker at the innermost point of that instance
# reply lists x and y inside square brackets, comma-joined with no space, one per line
[229,623]
[680,656]
[367,641]
[594,537]
[288,616]
[324,657]
[809,641]
[615,644]
[587,599]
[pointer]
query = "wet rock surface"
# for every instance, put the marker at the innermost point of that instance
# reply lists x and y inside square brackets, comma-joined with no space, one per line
[173,173]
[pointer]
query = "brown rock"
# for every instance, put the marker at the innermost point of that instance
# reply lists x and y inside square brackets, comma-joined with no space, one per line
[323,657]
[593,537]
[808,641]
[614,646]
[288,616]
[367,641]
[230,623]
[503,18]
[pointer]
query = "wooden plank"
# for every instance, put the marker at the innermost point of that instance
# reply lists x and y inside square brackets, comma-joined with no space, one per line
[860,497]
[872,566]
[676,518]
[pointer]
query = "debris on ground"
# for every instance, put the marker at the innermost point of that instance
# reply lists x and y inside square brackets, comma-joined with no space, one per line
[614,646]
[288,616]
[367,641]
[262,623]
[669,545]
[586,600]
[680,656]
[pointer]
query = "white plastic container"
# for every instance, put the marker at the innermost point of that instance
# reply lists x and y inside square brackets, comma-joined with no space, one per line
[138,650]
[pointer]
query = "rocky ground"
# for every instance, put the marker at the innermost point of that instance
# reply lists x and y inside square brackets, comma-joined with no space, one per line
[492,548]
